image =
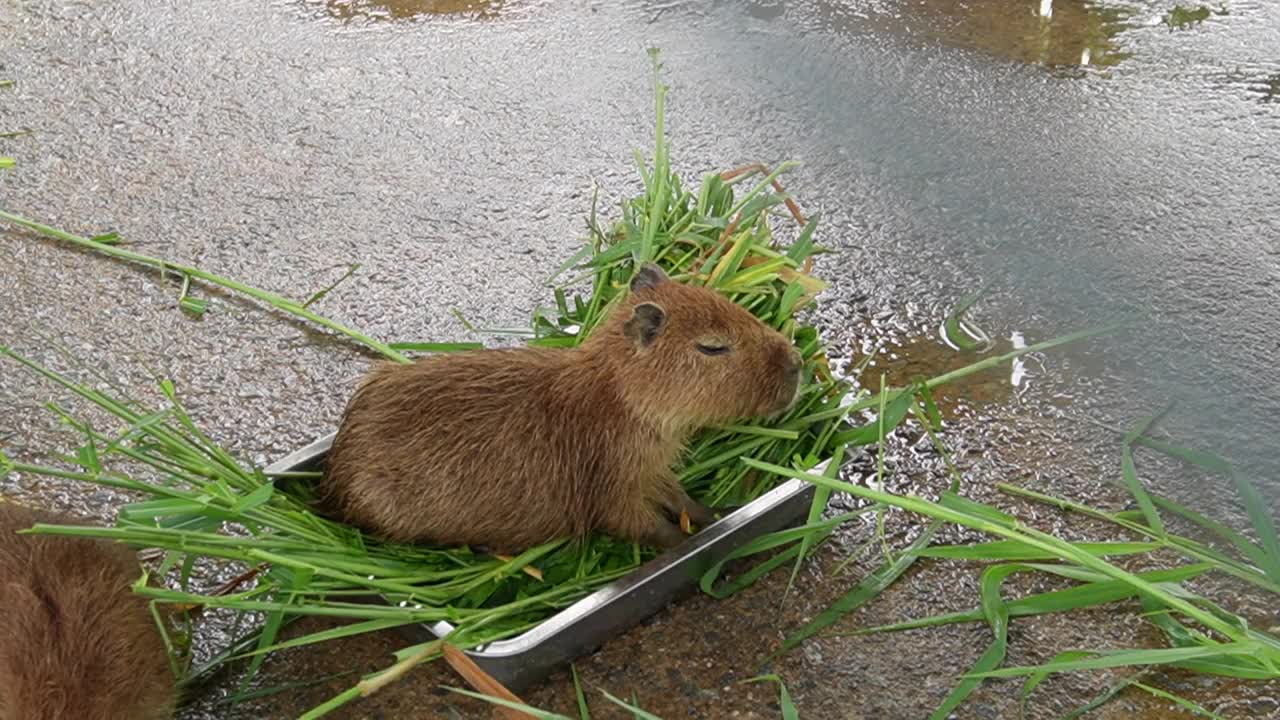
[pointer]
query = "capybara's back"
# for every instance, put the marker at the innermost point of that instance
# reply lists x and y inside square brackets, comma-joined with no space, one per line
[75,642]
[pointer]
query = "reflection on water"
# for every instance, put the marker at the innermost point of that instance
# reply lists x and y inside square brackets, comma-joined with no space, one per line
[1183,17]
[406,9]
[1267,89]
[1044,32]
[924,357]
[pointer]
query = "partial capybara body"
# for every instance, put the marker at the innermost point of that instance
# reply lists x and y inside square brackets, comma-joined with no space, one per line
[509,448]
[75,642]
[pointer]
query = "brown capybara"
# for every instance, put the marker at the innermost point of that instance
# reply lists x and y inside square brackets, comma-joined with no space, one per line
[510,448]
[76,643]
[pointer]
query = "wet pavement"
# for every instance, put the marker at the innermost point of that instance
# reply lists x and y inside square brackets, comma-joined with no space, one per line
[451,149]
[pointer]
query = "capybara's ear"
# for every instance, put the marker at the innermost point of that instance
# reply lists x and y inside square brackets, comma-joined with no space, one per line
[646,324]
[648,276]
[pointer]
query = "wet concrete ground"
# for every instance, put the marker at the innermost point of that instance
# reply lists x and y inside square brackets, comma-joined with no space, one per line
[453,156]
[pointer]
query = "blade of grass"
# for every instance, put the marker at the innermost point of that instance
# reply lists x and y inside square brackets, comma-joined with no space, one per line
[583,712]
[871,587]
[816,508]
[1254,504]
[527,710]
[1035,679]
[1100,699]
[318,296]
[436,347]
[1181,702]
[632,706]
[997,616]
[1064,550]
[789,711]
[1138,657]
[1249,550]
[1086,595]
[953,326]
[276,301]
[768,542]
[1009,550]
[1130,474]
[1185,546]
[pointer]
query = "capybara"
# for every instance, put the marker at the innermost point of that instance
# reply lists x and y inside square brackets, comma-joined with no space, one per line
[76,643]
[509,448]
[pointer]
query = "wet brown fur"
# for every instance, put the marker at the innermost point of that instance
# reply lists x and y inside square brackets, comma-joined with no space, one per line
[75,642]
[509,448]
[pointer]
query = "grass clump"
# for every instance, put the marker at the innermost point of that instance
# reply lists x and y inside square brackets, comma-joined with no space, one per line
[1200,635]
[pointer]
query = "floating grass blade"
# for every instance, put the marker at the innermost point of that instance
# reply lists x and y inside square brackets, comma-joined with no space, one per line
[1130,473]
[1254,504]
[957,332]
[1247,549]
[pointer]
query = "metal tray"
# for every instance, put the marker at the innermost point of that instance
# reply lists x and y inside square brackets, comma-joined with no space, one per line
[520,661]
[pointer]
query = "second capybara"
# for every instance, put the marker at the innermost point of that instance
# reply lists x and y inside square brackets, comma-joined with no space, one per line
[509,448]
[76,643]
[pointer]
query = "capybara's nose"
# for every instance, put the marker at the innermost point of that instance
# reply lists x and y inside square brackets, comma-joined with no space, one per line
[794,362]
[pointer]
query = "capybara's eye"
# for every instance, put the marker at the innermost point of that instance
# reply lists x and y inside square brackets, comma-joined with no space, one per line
[710,349]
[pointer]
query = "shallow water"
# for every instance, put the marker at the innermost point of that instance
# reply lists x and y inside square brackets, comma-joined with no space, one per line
[451,149]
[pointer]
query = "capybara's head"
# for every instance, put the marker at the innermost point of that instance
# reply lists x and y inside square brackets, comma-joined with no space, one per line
[690,356]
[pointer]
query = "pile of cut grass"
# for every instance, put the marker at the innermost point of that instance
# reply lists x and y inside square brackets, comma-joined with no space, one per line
[203,504]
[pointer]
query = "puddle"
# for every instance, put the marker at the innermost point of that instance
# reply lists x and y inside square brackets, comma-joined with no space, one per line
[924,357]
[1059,34]
[1053,33]
[381,10]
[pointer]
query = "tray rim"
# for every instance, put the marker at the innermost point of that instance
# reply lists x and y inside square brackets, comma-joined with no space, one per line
[566,617]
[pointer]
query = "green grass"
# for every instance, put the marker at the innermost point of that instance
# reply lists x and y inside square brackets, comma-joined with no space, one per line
[1201,636]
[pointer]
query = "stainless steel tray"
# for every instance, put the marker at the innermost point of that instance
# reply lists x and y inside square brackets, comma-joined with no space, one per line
[520,661]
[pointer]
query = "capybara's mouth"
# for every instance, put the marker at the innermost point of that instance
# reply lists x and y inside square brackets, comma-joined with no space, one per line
[786,401]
